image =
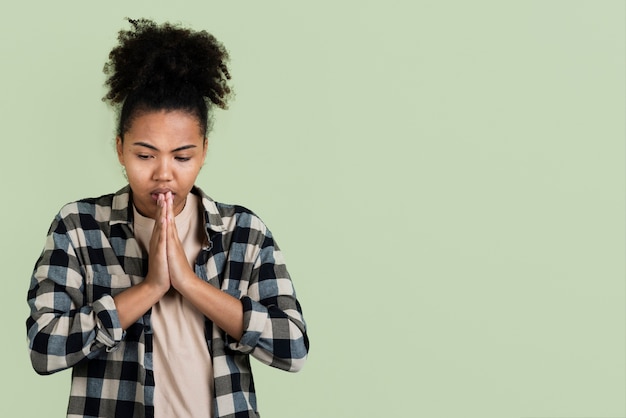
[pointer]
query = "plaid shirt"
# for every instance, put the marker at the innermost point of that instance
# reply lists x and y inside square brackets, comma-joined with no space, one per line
[91,255]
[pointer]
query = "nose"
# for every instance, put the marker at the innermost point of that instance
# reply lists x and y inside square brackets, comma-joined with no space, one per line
[163,171]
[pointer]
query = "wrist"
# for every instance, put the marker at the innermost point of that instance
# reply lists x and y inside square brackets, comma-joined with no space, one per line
[154,290]
[187,283]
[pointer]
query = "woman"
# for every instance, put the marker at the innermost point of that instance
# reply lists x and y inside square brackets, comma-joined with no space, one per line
[156,295]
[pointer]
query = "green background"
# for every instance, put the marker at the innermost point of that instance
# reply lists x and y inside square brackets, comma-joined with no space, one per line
[446,179]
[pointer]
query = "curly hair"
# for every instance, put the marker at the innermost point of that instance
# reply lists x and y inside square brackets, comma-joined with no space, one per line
[166,67]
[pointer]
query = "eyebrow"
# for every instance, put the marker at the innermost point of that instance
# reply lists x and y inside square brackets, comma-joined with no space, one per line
[152,147]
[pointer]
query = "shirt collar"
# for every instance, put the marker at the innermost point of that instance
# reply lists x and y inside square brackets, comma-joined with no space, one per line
[122,211]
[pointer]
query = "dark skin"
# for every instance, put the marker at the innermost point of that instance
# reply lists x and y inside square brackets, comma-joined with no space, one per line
[163,153]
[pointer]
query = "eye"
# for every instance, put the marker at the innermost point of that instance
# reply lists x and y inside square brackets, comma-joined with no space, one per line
[182,159]
[143,156]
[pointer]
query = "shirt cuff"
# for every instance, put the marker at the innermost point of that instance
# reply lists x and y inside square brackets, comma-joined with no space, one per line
[255,317]
[108,327]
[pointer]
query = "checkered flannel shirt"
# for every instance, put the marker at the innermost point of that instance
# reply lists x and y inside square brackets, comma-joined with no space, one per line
[91,255]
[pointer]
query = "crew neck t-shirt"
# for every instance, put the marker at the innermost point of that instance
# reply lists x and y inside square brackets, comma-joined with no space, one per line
[183,372]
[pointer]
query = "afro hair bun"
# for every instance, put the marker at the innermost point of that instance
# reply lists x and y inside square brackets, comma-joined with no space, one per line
[165,59]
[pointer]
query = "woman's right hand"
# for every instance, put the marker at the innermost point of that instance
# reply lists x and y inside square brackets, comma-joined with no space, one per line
[158,271]
[133,302]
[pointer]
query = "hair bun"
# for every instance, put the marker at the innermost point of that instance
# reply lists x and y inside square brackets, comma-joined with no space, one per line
[166,58]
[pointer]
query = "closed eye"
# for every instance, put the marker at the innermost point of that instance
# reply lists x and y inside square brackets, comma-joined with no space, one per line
[182,159]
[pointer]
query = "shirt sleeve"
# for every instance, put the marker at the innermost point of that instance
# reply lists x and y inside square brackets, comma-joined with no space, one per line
[274,328]
[64,328]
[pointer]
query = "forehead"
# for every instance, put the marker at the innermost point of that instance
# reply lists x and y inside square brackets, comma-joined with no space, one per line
[166,127]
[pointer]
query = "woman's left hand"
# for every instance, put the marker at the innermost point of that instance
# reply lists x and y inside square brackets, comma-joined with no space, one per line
[221,308]
[181,273]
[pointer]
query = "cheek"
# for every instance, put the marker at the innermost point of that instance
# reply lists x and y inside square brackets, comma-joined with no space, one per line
[135,175]
[190,173]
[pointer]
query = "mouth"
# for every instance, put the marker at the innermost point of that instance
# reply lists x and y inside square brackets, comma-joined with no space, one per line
[155,193]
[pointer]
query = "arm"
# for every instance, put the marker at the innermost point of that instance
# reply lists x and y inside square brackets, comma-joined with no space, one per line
[224,310]
[267,322]
[62,328]
[274,328]
[221,308]
[135,301]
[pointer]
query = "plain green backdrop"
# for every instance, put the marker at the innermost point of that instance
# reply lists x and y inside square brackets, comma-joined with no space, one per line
[446,179]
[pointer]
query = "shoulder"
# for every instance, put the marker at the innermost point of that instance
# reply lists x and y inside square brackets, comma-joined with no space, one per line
[92,212]
[223,215]
[240,213]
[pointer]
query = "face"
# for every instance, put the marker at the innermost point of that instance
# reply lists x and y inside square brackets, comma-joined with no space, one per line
[162,151]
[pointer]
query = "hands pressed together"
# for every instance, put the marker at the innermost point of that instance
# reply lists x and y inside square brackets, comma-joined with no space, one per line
[168,267]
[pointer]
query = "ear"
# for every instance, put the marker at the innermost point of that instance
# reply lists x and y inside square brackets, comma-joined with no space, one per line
[205,147]
[119,146]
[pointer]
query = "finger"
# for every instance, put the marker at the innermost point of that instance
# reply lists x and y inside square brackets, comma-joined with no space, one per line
[172,231]
[160,212]
[171,219]
[162,206]
[158,232]
[163,219]
[170,205]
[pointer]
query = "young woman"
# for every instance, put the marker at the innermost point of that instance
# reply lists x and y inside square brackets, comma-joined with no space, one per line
[156,295]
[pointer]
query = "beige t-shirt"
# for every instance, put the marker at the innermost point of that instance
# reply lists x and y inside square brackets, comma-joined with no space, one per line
[183,371]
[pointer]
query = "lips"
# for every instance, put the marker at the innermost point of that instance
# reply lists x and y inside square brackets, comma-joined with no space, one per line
[155,193]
